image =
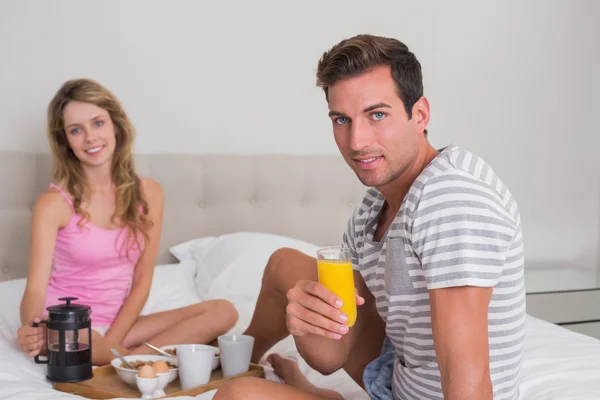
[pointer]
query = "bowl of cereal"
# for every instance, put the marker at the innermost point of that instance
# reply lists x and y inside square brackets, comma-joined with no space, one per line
[158,363]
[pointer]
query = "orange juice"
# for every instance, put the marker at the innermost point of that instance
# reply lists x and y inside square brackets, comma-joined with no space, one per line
[337,276]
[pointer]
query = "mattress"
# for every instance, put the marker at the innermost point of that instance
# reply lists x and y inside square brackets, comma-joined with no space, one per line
[558,363]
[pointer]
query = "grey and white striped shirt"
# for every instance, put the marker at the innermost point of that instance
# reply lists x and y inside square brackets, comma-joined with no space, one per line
[458,225]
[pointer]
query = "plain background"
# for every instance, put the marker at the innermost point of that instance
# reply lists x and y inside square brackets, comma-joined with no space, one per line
[513,81]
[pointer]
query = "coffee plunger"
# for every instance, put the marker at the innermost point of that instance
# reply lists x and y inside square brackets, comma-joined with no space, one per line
[69,342]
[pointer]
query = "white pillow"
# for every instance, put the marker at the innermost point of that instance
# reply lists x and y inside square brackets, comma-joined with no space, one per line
[11,293]
[233,265]
[183,251]
[172,287]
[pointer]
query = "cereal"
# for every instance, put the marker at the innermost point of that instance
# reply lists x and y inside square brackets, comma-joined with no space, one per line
[139,364]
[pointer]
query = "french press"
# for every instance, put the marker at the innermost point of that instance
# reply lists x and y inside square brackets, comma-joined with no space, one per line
[69,342]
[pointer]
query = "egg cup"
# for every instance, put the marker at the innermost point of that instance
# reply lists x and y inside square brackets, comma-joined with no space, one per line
[146,386]
[163,381]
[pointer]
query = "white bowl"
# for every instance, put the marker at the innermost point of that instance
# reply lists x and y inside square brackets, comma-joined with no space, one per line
[128,375]
[216,360]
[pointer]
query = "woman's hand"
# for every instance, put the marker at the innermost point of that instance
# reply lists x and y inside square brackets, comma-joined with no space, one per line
[32,340]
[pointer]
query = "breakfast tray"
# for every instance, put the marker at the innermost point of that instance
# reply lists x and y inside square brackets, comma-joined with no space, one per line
[106,384]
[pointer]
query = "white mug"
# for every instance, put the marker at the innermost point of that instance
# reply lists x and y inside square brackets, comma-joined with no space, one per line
[235,353]
[195,364]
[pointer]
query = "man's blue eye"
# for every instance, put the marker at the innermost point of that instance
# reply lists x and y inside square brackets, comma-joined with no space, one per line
[378,116]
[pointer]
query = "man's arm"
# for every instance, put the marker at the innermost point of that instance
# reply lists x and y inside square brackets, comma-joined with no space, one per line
[460,335]
[314,320]
[461,233]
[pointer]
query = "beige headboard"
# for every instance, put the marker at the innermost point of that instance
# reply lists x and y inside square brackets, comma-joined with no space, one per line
[306,197]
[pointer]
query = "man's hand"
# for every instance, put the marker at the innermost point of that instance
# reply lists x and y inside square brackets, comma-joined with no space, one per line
[32,339]
[460,335]
[314,309]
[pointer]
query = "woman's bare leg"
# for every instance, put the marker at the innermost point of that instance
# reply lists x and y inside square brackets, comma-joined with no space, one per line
[101,354]
[200,323]
[262,389]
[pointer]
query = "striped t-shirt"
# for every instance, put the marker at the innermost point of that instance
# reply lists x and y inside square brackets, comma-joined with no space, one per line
[458,225]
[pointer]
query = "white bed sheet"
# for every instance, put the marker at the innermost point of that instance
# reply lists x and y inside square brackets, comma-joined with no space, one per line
[559,364]
[21,378]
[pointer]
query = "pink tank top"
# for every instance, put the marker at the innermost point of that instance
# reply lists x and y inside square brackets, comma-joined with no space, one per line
[90,264]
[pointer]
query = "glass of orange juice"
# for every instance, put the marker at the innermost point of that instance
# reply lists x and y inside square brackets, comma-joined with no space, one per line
[335,273]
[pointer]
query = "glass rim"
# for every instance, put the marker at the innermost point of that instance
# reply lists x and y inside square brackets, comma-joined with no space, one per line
[334,251]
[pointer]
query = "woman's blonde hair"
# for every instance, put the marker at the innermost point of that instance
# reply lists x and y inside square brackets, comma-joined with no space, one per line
[67,168]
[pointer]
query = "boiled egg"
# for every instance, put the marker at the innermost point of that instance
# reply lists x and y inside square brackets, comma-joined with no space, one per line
[147,372]
[160,367]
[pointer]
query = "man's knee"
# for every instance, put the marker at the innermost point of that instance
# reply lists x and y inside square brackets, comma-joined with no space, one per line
[239,388]
[286,267]
[279,261]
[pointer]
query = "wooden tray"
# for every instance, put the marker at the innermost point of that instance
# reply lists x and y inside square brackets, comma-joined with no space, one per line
[106,384]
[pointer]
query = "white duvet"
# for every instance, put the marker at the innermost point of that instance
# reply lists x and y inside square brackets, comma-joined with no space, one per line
[558,364]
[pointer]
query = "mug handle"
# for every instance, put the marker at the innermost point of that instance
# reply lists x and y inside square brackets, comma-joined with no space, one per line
[37,358]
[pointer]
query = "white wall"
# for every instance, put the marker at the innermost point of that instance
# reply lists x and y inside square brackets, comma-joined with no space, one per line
[515,81]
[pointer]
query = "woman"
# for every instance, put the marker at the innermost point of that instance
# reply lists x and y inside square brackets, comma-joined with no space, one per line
[95,235]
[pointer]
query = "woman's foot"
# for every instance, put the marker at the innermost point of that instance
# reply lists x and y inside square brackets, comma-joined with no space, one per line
[290,372]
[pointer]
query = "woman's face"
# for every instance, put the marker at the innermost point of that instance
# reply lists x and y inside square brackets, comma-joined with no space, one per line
[90,133]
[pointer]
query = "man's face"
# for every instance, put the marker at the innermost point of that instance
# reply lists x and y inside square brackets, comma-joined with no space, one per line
[371,127]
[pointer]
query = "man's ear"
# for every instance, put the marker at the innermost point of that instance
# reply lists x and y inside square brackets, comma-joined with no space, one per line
[421,114]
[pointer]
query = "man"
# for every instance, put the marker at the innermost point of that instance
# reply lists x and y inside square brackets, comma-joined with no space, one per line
[437,249]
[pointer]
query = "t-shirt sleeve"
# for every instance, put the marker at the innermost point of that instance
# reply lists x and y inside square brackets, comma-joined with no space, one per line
[348,241]
[461,232]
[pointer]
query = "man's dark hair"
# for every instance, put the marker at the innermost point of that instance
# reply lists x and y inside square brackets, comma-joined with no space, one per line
[359,54]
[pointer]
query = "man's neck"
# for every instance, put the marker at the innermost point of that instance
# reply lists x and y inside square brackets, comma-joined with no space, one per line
[395,191]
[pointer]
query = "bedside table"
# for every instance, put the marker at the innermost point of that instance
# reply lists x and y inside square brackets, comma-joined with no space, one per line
[566,297]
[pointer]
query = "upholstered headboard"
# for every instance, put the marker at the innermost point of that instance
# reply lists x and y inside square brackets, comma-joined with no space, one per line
[306,197]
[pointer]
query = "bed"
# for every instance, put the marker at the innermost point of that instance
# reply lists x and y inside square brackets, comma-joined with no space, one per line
[224,215]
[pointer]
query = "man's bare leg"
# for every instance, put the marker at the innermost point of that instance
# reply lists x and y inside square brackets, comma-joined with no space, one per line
[268,325]
[262,389]
[290,372]
[371,339]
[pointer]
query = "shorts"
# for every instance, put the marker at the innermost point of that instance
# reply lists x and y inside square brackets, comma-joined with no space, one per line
[101,329]
[379,373]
